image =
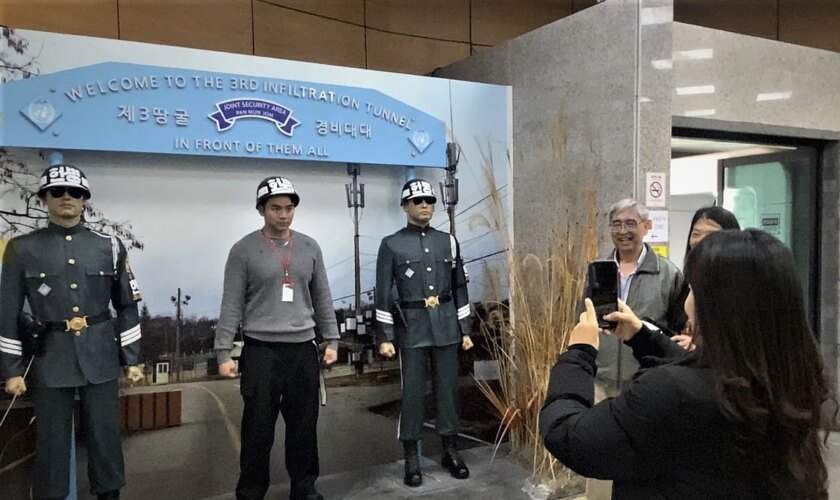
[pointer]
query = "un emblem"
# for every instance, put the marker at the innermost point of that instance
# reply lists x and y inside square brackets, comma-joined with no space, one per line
[420,140]
[40,112]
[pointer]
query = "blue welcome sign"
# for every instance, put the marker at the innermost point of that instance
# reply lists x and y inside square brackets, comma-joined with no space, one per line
[151,109]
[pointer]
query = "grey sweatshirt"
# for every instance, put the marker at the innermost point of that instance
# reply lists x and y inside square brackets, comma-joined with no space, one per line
[253,290]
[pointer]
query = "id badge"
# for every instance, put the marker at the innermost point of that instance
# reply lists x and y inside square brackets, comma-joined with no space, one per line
[288,294]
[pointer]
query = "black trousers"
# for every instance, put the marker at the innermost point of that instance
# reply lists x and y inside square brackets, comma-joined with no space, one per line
[101,430]
[279,377]
[414,366]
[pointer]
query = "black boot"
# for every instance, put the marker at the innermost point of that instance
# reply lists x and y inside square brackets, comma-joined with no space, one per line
[305,490]
[413,477]
[109,495]
[452,460]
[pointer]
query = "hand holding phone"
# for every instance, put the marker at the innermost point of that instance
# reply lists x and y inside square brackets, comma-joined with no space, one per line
[603,290]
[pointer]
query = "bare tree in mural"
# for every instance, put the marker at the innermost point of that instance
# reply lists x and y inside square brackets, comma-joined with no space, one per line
[17,61]
[18,181]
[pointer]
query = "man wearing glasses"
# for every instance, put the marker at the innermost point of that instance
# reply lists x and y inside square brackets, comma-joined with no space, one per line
[649,284]
[427,318]
[69,275]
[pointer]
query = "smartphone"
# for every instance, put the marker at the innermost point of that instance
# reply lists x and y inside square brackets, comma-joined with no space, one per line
[603,290]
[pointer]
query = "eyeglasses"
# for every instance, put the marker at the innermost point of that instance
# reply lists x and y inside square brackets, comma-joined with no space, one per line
[74,192]
[630,225]
[428,200]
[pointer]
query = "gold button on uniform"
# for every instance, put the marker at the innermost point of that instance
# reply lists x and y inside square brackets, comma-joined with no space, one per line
[68,238]
[42,275]
[75,309]
[431,287]
[78,334]
[73,286]
[429,269]
[71,261]
[426,250]
[102,273]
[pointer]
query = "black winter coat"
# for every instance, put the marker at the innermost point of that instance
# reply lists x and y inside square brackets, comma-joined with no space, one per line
[662,438]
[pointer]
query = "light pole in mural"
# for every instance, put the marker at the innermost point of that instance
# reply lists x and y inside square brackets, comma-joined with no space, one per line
[356,200]
[449,187]
[178,301]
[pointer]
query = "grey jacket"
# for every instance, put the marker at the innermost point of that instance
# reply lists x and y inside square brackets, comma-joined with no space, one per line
[655,293]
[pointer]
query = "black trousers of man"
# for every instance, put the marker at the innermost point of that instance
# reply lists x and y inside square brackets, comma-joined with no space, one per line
[414,369]
[279,377]
[100,423]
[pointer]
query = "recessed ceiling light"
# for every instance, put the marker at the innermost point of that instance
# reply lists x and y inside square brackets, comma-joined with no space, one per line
[698,89]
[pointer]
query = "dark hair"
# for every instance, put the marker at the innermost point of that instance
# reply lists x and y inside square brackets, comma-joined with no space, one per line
[723,217]
[768,373]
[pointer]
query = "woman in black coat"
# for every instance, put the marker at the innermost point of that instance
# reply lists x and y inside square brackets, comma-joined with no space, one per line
[739,417]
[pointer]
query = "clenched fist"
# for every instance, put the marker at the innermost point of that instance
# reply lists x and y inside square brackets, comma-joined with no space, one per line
[15,386]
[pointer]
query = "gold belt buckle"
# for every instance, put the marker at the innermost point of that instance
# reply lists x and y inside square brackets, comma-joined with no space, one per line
[432,302]
[76,324]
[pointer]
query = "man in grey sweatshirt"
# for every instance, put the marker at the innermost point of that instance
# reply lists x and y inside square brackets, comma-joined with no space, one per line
[276,291]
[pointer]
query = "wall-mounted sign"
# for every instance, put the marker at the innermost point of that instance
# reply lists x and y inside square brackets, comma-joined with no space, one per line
[655,183]
[771,223]
[151,109]
[659,227]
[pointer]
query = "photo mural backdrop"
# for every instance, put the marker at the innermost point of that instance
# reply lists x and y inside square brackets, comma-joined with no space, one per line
[174,142]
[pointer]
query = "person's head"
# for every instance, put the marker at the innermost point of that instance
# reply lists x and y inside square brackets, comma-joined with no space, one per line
[276,203]
[747,305]
[64,190]
[418,200]
[629,223]
[709,220]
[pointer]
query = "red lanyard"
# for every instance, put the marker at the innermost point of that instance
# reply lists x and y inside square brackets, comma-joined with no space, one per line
[285,262]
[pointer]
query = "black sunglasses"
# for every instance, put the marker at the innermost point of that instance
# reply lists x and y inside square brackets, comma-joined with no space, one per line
[429,200]
[74,192]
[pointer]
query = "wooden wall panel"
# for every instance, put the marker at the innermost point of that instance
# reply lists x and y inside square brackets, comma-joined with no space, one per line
[223,25]
[79,17]
[815,23]
[288,34]
[496,21]
[408,54]
[748,17]
[442,19]
[352,11]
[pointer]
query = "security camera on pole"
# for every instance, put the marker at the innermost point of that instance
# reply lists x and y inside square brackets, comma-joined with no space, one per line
[178,303]
[449,187]
[356,200]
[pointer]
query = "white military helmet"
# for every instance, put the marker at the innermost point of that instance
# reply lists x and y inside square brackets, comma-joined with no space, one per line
[66,176]
[275,186]
[417,188]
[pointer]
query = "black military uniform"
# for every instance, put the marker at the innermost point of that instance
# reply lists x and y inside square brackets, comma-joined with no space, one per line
[68,277]
[422,306]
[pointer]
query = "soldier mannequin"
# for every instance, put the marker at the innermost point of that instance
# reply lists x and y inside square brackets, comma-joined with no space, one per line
[431,317]
[69,275]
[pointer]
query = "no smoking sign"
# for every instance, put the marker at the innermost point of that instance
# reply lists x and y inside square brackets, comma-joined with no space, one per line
[655,189]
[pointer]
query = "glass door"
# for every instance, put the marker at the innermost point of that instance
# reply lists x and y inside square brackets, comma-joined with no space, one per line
[777,193]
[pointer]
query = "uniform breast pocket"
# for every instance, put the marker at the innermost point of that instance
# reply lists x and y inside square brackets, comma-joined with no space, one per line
[444,270]
[99,280]
[41,284]
[408,269]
